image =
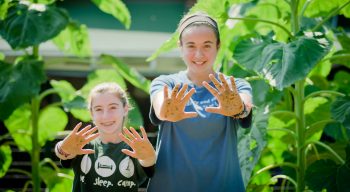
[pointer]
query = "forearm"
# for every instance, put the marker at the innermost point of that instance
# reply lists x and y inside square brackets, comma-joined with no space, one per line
[157,101]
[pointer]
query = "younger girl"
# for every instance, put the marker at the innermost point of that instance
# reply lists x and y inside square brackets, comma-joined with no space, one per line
[103,161]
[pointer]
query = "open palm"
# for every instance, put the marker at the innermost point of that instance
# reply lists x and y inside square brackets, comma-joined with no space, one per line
[230,102]
[173,107]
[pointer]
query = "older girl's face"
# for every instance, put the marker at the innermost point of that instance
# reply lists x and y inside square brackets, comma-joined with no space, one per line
[108,113]
[199,49]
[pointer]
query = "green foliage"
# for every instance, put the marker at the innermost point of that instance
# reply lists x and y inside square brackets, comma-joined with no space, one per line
[18,83]
[51,121]
[74,39]
[5,159]
[282,64]
[29,25]
[116,8]
[130,74]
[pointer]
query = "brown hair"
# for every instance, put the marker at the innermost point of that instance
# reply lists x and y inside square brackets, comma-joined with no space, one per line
[109,87]
[198,19]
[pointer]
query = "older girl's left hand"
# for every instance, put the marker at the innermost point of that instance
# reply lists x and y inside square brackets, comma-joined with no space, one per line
[230,102]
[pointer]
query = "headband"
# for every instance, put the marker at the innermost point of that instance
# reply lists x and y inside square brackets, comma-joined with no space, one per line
[197,18]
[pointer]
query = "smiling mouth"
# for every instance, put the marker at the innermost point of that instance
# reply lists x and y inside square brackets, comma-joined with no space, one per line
[199,62]
[107,124]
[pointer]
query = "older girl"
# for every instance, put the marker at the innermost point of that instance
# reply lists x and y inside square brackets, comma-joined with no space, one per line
[198,111]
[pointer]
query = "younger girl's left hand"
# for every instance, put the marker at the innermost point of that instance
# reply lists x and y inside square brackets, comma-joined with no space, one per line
[142,148]
[230,102]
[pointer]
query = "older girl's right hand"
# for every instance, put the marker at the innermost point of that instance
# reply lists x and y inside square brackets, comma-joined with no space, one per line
[73,144]
[173,106]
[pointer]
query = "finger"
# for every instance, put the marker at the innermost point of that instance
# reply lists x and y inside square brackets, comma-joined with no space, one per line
[224,82]
[211,89]
[216,82]
[84,130]
[87,151]
[190,115]
[233,84]
[125,139]
[90,131]
[174,91]
[189,95]
[130,153]
[144,134]
[213,110]
[129,134]
[136,134]
[182,91]
[165,90]
[77,127]
[90,138]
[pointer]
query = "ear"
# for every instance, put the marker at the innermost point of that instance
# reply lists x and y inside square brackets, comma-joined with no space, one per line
[126,110]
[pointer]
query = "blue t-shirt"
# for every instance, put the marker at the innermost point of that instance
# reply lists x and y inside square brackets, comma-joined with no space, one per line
[196,154]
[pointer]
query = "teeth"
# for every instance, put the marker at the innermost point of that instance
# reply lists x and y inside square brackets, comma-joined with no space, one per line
[107,124]
[199,63]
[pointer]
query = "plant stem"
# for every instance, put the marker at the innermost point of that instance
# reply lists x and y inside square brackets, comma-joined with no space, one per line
[284,130]
[19,171]
[292,165]
[314,94]
[35,144]
[263,21]
[300,132]
[341,160]
[283,177]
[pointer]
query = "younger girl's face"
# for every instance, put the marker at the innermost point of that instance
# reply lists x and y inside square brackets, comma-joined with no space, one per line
[199,48]
[108,113]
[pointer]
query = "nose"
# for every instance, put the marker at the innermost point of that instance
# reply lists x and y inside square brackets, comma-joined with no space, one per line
[198,54]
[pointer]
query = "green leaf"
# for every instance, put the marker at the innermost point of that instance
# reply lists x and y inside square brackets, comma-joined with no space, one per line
[53,180]
[166,46]
[134,116]
[341,111]
[116,8]
[4,5]
[341,81]
[101,76]
[19,126]
[5,159]
[130,74]
[74,39]
[51,121]
[46,2]
[322,174]
[282,64]
[319,8]
[251,143]
[81,114]
[337,132]
[64,89]
[77,103]
[19,83]
[29,25]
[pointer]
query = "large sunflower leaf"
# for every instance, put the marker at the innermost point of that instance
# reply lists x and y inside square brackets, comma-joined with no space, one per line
[282,64]
[32,24]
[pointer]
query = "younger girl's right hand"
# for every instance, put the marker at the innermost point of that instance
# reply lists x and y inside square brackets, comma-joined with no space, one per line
[73,144]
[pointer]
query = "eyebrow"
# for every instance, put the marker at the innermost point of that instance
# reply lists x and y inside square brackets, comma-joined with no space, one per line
[108,105]
[206,42]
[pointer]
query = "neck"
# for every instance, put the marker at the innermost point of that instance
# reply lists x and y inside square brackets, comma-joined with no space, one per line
[198,78]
